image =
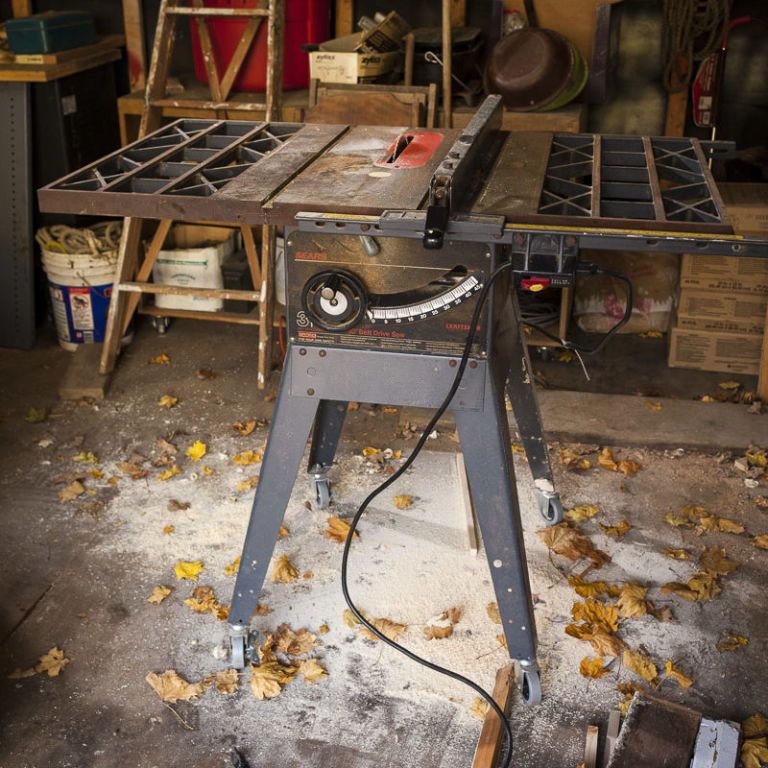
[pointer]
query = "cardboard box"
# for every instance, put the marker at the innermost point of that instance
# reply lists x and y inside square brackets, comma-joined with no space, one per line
[721,311]
[714,351]
[726,273]
[337,61]
[747,207]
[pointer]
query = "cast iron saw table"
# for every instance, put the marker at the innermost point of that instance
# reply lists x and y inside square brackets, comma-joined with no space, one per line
[390,234]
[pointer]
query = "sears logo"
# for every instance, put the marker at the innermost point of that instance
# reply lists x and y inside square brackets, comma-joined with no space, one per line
[302,320]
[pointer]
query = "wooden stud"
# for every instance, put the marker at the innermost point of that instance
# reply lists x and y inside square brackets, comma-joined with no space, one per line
[21,8]
[252,255]
[491,737]
[241,51]
[209,58]
[762,378]
[133,22]
[447,65]
[458,13]
[345,17]
[266,304]
[409,41]
[159,65]
[432,106]
[274,85]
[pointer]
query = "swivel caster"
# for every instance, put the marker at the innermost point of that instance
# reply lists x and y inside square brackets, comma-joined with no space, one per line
[531,688]
[242,645]
[550,507]
[161,324]
[322,492]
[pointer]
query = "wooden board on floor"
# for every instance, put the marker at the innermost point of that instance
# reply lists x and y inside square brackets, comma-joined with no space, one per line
[82,377]
[492,736]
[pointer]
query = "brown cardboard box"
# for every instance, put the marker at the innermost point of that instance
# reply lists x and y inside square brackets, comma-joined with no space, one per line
[747,207]
[714,351]
[339,61]
[721,311]
[726,273]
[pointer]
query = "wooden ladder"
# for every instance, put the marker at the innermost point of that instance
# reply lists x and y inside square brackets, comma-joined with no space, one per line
[132,274]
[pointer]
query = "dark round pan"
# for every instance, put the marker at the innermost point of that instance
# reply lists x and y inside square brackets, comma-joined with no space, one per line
[534,69]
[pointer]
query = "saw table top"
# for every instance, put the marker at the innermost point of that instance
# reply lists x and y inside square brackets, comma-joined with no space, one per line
[256,173]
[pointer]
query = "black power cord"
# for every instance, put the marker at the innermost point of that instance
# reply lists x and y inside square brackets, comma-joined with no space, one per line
[591,269]
[482,296]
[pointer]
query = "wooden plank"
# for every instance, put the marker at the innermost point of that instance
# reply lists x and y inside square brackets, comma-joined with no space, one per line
[359,185]
[366,107]
[250,318]
[345,17]
[159,65]
[106,43]
[762,374]
[447,35]
[209,59]
[35,73]
[241,51]
[275,44]
[614,721]
[82,377]
[458,13]
[266,305]
[252,254]
[409,43]
[162,289]
[21,8]
[590,747]
[133,23]
[491,737]
[677,108]
[467,510]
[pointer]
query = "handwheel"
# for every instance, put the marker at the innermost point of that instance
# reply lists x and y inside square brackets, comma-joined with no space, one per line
[531,689]
[238,651]
[322,492]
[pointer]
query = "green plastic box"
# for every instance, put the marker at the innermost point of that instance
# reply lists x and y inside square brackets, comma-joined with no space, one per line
[50,32]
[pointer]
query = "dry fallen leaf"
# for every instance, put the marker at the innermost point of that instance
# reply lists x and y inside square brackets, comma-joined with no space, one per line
[247,484]
[403,502]
[582,512]
[755,726]
[312,670]
[671,671]
[479,708]
[86,457]
[632,602]
[178,506]
[640,664]
[167,401]
[169,529]
[338,530]
[203,600]
[323,629]
[592,588]
[248,457]
[244,428]
[606,460]
[171,687]
[72,491]
[714,561]
[628,467]
[186,569]
[158,595]
[730,526]
[571,543]
[732,643]
[35,415]
[350,620]
[160,359]
[225,681]
[701,586]
[678,521]
[594,668]
[618,531]
[598,615]
[754,752]
[761,541]
[232,568]
[197,450]
[169,473]
[605,644]
[441,626]
[573,460]
[492,609]
[387,627]
[677,554]
[294,643]
[206,374]
[267,679]
[283,570]
[283,532]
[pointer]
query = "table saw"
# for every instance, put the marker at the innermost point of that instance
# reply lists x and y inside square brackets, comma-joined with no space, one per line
[391,236]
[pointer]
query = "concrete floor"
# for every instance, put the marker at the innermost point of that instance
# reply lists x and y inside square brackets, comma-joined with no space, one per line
[78,577]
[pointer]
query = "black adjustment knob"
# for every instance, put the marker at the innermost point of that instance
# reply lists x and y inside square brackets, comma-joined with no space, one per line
[334,300]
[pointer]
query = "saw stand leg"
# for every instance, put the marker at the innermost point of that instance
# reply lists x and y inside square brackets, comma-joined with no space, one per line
[525,407]
[325,439]
[291,423]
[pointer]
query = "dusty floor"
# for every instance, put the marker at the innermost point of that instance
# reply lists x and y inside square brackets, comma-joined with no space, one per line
[77,574]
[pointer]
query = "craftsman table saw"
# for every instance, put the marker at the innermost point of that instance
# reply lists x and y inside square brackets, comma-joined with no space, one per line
[391,236]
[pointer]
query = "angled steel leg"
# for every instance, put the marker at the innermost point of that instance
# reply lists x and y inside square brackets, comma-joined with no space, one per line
[325,439]
[484,438]
[525,406]
[291,423]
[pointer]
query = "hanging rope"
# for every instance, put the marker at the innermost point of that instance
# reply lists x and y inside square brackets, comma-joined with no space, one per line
[692,30]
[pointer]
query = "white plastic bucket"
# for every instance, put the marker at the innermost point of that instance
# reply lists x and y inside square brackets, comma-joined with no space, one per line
[80,286]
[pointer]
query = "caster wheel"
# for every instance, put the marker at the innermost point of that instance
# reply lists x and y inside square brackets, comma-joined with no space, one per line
[238,659]
[551,509]
[161,324]
[322,493]
[531,690]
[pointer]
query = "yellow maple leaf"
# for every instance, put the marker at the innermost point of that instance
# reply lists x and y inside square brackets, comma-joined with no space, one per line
[714,560]
[370,451]
[492,609]
[632,602]
[571,543]
[651,335]
[652,405]
[86,457]
[441,626]
[606,460]
[701,586]
[761,541]
[226,681]
[158,595]
[730,526]
[594,668]
[676,674]
[232,568]
[197,450]
[312,670]
[581,512]
[754,752]
[294,643]
[283,570]
[618,531]
[755,726]
[629,467]
[244,428]
[247,484]
[640,664]
[188,569]
[588,588]
[203,600]
[248,457]
[338,530]
[267,679]
[597,614]
[677,554]
[169,473]
[403,501]
[606,644]
[167,401]
[732,643]
[171,687]
[160,359]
